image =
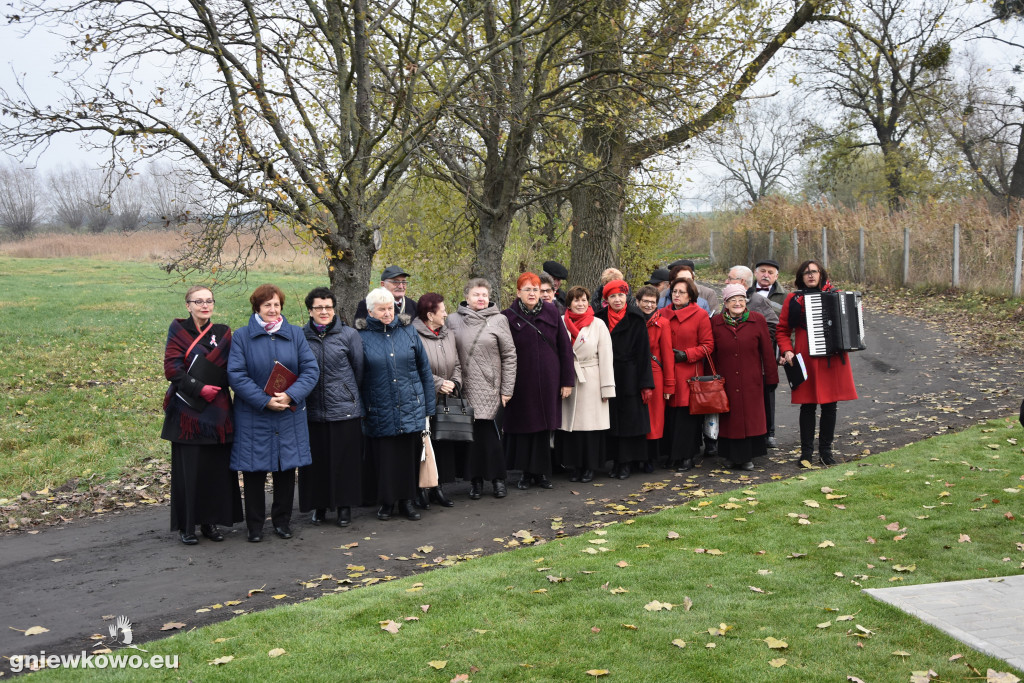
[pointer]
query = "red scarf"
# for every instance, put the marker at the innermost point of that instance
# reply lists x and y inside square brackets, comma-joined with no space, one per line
[614,287]
[575,322]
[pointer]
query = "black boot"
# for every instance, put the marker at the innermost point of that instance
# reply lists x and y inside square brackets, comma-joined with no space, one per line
[826,433]
[476,489]
[807,416]
[437,496]
[344,516]
[421,499]
[385,511]
[188,536]
[211,532]
[406,508]
[500,491]
[318,516]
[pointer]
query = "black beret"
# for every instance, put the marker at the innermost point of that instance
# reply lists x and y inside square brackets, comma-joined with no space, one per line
[556,270]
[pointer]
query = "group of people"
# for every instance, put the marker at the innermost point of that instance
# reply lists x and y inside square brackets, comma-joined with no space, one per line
[561,380]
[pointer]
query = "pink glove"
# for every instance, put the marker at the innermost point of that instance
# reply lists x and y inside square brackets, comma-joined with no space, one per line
[646,394]
[209,392]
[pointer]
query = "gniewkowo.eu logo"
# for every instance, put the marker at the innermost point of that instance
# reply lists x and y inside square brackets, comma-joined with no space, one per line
[120,636]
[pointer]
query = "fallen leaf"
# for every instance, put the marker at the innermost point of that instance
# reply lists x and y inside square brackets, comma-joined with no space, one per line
[630,627]
[461,678]
[993,676]
[622,563]
[825,624]
[424,607]
[35,630]
[775,643]
[964,538]
[390,626]
[596,673]
[672,535]
[687,603]
[656,606]
[276,652]
[756,589]
[172,625]
[679,642]
[425,549]
[826,544]
[438,663]
[617,591]
[280,596]
[777,663]
[904,568]
[221,660]
[901,653]
[812,504]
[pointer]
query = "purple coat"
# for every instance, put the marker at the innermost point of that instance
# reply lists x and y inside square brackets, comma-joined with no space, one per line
[544,365]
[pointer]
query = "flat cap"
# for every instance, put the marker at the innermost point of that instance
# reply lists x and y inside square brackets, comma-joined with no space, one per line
[658,276]
[767,262]
[392,272]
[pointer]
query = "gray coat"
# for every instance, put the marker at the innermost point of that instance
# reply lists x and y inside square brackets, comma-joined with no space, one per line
[339,353]
[489,368]
[441,351]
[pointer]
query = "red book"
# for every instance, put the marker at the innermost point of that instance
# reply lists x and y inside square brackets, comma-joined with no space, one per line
[280,379]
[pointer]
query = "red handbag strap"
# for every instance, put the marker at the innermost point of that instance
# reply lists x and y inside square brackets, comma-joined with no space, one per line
[196,340]
[707,357]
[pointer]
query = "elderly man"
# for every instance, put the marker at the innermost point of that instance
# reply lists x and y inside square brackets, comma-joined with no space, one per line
[559,274]
[660,279]
[396,281]
[759,301]
[766,272]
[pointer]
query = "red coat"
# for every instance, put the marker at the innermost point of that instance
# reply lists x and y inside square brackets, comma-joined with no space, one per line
[744,356]
[829,379]
[691,332]
[664,369]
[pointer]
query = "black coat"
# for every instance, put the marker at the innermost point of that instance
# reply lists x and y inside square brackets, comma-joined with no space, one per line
[631,359]
[339,353]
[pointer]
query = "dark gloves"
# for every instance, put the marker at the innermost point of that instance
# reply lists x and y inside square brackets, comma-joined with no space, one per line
[680,356]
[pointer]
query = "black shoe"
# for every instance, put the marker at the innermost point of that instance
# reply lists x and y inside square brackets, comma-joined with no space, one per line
[747,466]
[624,472]
[770,442]
[685,465]
[575,476]
[211,532]
[384,512]
[588,475]
[255,535]
[827,458]
[344,516]
[407,509]
[476,489]
[188,537]
[648,467]
[499,488]
[711,452]
[437,496]
[283,531]
[421,500]
[542,481]
[319,515]
[523,483]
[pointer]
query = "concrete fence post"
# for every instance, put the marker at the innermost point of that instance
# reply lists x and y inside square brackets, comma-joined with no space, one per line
[956,256]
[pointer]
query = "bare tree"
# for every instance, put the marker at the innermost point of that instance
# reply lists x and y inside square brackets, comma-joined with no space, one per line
[302,114]
[68,195]
[128,203]
[172,199]
[878,62]
[759,148]
[19,199]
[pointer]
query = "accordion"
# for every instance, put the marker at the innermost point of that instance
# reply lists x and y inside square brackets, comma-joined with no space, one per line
[835,322]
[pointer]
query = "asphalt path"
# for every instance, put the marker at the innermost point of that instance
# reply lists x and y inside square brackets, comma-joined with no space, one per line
[73,580]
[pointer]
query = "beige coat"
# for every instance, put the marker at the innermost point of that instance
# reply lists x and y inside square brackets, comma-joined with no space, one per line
[489,372]
[440,348]
[585,410]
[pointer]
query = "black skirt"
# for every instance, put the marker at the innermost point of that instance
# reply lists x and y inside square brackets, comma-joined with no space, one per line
[739,451]
[484,456]
[582,450]
[446,454]
[334,479]
[626,449]
[393,466]
[204,488]
[529,452]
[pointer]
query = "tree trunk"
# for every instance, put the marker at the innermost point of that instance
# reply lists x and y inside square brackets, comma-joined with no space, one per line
[490,245]
[1017,172]
[597,228]
[350,263]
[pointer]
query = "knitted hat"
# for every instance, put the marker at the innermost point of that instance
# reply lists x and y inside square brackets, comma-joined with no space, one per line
[733,290]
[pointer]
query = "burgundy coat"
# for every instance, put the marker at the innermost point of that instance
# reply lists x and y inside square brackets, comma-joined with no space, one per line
[544,365]
[663,366]
[744,356]
[691,332]
[829,378]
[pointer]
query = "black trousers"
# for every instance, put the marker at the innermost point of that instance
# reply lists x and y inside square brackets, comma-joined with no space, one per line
[826,428]
[256,503]
[769,408]
[686,433]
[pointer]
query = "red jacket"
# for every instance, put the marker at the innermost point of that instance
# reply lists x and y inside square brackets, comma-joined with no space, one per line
[744,356]
[664,369]
[691,332]
[829,379]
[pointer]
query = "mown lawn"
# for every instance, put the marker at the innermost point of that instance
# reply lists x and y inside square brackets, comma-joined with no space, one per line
[785,560]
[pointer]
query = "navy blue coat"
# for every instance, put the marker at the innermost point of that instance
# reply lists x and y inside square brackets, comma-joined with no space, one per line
[397,386]
[339,353]
[268,440]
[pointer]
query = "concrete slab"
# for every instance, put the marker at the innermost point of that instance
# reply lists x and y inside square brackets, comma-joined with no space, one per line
[987,614]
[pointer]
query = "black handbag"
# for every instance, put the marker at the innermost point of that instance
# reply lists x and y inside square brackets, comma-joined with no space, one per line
[453,420]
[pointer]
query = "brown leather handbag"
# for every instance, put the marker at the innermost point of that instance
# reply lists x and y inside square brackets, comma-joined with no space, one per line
[707,392]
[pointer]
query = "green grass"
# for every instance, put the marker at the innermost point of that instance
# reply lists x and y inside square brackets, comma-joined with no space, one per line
[81,373]
[501,618]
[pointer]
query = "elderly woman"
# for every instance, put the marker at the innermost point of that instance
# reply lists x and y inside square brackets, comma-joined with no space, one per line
[585,420]
[634,381]
[197,422]
[744,356]
[439,343]
[271,434]
[692,342]
[332,480]
[545,374]
[398,391]
[663,367]
[487,356]
[829,379]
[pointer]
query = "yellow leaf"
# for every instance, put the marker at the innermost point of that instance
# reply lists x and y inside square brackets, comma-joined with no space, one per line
[775,643]
[220,640]
[276,652]
[812,504]
[356,568]
[656,606]
[679,642]
[232,603]
[826,544]
[426,549]
[777,663]
[279,596]
[438,663]
[825,624]
[480,630]
[221,660]
[597,672]
[390,626]
[35,631]
[631,627]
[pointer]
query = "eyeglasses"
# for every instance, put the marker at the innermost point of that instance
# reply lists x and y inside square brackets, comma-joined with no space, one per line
[202,302]
[648,302]
[545,290]
[530,290]
[322,309]
[679,292]
[398,283]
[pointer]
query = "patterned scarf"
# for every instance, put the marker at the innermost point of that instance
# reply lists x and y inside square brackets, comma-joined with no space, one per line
[214,421]
[729,320]
[271,328]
